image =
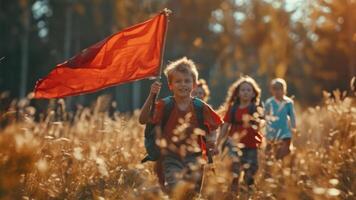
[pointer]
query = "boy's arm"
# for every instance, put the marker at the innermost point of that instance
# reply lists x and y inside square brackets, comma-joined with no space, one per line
[211,137]
[212,120]
[211,145]
[223,132]
[145,114]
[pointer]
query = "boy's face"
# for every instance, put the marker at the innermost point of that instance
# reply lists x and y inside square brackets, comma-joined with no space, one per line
[181,84]
[277,91]
[198,92]
[246,93]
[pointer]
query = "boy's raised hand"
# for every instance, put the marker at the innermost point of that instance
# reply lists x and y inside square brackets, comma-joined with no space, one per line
[148,108]
[155,87]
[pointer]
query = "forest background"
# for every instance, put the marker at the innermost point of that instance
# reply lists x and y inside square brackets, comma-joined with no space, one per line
[309,43]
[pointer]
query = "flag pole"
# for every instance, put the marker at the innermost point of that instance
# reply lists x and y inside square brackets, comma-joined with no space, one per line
[167,12]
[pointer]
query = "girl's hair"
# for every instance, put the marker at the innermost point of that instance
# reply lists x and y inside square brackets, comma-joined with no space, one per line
[232,94]
[202,83]
[279,82]
[183,65]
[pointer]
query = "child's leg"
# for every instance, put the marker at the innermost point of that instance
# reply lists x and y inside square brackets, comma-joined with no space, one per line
[236,164]
[235,168]
[283,149]
[173,169]
[194,171]
[250,164]
[158,168]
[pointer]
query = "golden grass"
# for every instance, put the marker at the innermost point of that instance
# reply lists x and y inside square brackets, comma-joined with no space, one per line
[93,156]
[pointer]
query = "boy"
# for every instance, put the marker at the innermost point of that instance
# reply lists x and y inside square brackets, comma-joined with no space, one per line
[281,120]
[182,150]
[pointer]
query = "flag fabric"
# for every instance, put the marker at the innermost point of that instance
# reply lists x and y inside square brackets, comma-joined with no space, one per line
[131,54]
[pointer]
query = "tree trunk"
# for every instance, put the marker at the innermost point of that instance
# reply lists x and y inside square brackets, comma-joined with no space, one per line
[24,50]
[351,24]
[68,39]
[136,91]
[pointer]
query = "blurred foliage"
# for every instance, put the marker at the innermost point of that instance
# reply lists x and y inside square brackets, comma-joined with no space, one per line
[310,44]
[96,154]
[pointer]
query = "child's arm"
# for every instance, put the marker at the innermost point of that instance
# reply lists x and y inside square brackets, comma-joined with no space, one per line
[267,108]
[211,137]
[223,132]
[292,116]
[146,108]
[212,121]
[261,110]
[211,143]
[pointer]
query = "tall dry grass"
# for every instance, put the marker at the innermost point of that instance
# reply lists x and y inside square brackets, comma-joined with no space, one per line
[94,155]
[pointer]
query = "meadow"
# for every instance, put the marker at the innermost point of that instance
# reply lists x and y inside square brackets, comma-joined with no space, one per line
[95,154]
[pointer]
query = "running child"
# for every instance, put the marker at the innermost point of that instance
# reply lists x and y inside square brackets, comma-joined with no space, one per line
[241,129]
[182,130]
[281,120]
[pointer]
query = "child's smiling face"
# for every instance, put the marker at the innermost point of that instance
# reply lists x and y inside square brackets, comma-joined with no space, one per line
[246,93]
[182,84]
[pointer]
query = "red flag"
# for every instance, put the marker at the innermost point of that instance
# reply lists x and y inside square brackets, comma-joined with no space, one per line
[132,54]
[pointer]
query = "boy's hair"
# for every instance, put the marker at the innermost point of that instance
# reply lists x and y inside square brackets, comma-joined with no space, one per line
[279,82]
[232,96]
[202,83]
[183,65]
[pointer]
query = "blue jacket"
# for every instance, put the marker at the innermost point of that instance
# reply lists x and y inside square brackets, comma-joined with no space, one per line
[277,116]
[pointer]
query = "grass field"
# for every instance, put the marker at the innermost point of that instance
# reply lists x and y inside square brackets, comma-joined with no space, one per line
[91,155]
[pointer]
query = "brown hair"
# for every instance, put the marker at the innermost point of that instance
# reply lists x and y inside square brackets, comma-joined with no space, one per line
[232,96]
[202,83]
[183,65]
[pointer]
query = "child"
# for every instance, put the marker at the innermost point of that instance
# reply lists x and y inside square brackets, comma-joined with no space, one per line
[279,111]
[202,90]
[242,124]
[180,157]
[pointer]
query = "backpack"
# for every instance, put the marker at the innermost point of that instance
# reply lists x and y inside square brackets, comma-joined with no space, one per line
[152,149]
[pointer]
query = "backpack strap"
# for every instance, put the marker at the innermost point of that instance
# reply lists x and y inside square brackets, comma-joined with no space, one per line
[252,108]
[232,113]
[167,109]
[199,111]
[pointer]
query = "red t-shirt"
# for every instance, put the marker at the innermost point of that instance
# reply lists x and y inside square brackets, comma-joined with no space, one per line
[180,126]
[246,134]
